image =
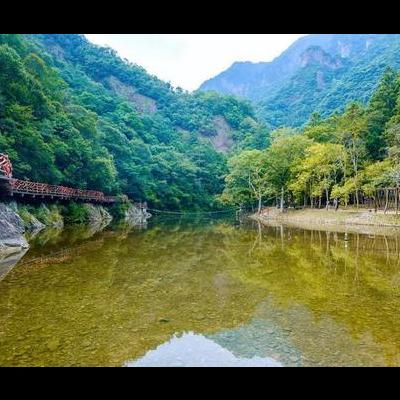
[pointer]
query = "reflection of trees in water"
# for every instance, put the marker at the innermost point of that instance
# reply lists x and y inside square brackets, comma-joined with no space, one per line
[352,278]
[115,302]
[127,297]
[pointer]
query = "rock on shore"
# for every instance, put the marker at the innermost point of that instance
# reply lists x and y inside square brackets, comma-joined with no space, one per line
[13,244]
[136,216]
[11,230]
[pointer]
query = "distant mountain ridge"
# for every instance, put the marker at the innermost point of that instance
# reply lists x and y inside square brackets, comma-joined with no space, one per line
[319,72]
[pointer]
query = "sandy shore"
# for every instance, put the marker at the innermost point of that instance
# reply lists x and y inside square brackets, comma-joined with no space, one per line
[351,220]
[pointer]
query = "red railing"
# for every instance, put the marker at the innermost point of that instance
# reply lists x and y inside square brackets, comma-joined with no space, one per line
[12,186]
[63,192]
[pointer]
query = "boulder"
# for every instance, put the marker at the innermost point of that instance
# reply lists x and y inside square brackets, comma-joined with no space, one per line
[12,241]
[11,229]
[136,216]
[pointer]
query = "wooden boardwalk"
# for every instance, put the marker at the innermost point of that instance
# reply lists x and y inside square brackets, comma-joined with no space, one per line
[10,187]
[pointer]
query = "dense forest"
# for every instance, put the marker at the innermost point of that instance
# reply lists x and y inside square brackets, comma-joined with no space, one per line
[76,114]
[339,157]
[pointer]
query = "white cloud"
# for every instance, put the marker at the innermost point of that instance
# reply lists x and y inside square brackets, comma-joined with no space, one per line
[187,60]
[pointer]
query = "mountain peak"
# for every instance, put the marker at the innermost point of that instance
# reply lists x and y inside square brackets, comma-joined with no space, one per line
[318,71]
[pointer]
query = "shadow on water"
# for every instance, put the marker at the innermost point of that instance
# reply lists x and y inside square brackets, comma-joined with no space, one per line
[203,291]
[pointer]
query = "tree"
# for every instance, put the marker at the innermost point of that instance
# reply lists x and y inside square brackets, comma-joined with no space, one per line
[247,179]
[321,168]
[380,110]
[352,126]
[286,150]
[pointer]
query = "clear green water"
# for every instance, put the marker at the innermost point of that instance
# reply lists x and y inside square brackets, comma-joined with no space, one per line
[208,292]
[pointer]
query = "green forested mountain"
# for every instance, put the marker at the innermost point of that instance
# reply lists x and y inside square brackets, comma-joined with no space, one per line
[344,156]
[76,114]
[318,73]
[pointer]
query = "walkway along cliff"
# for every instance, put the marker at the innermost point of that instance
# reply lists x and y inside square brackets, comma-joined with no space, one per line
[16,195]
[15,187]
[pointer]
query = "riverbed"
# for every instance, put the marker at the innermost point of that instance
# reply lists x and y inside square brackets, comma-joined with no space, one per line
[203,292]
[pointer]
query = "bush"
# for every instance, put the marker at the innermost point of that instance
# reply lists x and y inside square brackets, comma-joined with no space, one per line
[119,209]
[76,213]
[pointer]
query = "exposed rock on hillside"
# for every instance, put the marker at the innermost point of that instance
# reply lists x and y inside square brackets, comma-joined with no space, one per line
[222,141]
[317,55]
[142,103]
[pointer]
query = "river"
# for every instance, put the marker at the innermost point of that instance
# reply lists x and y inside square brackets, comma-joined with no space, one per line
[203,292]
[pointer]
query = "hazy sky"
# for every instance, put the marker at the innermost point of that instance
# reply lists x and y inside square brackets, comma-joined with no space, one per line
[188,60]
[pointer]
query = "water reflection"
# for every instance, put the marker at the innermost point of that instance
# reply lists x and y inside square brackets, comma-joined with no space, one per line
[191,350]
[257,294]
[9,259]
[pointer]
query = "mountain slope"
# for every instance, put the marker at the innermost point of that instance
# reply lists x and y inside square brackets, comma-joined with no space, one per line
[77,114]
[301,80]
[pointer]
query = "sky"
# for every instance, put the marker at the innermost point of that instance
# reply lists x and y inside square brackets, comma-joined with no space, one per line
[187,60]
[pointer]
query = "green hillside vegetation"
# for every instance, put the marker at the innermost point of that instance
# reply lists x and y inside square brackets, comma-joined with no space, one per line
[317,73]
[337,157]
[326,88]
[76,114]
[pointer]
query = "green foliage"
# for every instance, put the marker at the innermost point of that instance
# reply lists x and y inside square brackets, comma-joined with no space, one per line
[76,114]
[322,167]
[284,154]
[318,73]
[247,179]
[75,213]
[381,109]
[356,151]
[119,209]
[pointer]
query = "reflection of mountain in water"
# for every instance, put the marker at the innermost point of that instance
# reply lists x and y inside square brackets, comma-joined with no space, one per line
[191,350]
[260,339]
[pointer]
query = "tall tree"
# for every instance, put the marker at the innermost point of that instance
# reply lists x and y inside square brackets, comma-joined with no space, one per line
[352,127]
[286,150]
[321,168]
[380,110]
[247,179]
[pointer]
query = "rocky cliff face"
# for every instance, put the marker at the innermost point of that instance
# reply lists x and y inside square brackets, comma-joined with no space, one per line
[11,229]
[98,216]
[316,55]
[12,241]
[142,104]
[222,141]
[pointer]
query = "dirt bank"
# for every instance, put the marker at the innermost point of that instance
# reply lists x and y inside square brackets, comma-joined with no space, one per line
[351,220]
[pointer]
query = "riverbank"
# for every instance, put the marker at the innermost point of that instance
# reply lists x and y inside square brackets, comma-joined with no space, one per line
[20,223]
[350,220]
